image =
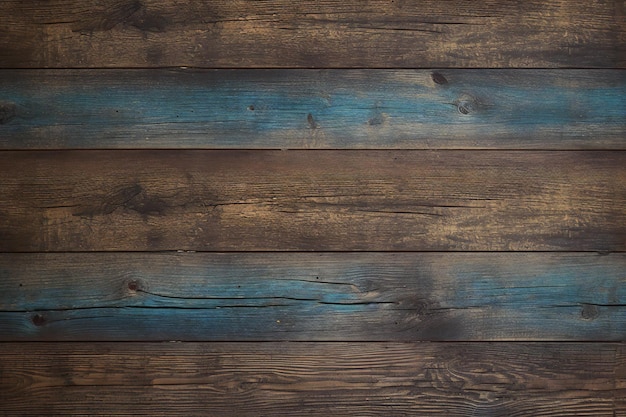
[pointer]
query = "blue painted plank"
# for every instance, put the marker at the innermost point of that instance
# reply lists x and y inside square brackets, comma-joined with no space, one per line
[304,296]
[299,109]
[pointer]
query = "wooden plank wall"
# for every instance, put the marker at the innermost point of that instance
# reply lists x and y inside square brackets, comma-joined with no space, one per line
[346,208]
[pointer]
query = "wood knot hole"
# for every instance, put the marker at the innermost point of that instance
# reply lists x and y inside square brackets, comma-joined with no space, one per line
[464,107]
[466,104]
[39,320]
[8,112]
[589,312]
[133,286]
[438,78]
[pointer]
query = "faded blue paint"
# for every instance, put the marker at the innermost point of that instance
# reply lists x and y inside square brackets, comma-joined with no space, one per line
[304,296]
[560,285]
[314,323]
[342,110]
[215,108]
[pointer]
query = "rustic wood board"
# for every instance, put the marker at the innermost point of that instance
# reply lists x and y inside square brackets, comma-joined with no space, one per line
[308,379]
[305,296]
[312,33]
[312,200]
[450,172]
[620,381]
[373,109]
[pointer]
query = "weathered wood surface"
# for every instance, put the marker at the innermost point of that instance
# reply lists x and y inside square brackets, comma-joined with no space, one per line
[312,33]
[300,296]
[308,379]
[409,109]
[620,381]
[312,200]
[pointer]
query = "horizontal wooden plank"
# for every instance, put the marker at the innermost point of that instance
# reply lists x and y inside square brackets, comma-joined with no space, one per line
[305,296]
[308,379]
[312,33]
[341,109]
[312,200]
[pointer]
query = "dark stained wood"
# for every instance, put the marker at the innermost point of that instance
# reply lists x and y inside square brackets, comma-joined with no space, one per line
[312,200]
[301,296]
[406,109]
[620,381]
[312,33]
[308,379]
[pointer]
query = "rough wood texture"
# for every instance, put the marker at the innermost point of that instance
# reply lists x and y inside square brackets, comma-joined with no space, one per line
[312,33]
[299,296]
[312,200]
[308,379]
[620,381]
[408,109]
[446,158]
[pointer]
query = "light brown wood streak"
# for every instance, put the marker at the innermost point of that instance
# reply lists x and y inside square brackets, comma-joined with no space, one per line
[328,33]
[308,379]
[312,200]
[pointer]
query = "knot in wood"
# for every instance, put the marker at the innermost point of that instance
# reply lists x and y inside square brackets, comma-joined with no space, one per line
[466,104]
[589,312]
[39,320]
[438,78]
[8,111]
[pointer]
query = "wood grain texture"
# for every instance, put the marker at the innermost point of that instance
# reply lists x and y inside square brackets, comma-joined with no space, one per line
[312,200]
[301,296]
[312,33]
[308,379]
[297,109]
[620,381]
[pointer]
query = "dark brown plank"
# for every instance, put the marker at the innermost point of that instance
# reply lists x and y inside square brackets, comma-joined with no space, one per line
[620,382]
[306,296]
[620,375]
[311,33]
[296,109]
[312,200]
[308,379]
